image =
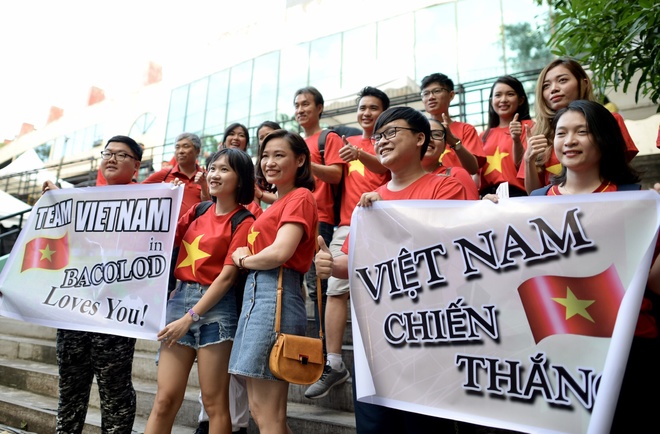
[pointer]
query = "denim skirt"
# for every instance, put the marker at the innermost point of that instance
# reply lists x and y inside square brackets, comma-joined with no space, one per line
[255,335]
[216,326]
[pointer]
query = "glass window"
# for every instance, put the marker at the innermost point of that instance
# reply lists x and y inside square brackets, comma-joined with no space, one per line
[358,56]
[325,65]
[238,104]
[196,105]
[216,110]
[294,66]
[479,57]
[264,89]
[436,45]
[43,151]
[395,59]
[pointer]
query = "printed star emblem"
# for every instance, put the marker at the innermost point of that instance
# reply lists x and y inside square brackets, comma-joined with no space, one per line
[46,253]
[495,161]
[193,254]
[252,236]
[554,169]
[446,151]
[356,166]
[574,306]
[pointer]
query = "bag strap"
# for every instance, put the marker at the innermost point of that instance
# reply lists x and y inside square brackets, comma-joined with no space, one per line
[278,309]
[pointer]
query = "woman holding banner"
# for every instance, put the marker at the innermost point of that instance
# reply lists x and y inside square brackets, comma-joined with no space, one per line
[592,151]
[202,311]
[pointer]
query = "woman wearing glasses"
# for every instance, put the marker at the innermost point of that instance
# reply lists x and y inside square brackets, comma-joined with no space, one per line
[508,115]
[432,162]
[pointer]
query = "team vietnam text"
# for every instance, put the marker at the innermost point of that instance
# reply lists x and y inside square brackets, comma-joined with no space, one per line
[121,215]
[461,323]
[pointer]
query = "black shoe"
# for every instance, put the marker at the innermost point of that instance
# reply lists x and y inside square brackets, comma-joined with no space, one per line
[202,428]
[240,431]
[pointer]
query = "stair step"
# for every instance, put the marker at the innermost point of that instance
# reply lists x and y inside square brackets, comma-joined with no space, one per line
[37,413]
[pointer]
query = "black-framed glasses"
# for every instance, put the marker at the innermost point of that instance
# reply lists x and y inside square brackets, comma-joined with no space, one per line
[120,156]
[388,134]
[437,135]
[435,91]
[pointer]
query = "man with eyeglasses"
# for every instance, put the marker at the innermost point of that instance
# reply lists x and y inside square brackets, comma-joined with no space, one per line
[82,355]
[186,151]
[464,147]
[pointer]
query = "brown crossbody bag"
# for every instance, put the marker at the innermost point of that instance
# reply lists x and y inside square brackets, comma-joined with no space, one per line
[293,358]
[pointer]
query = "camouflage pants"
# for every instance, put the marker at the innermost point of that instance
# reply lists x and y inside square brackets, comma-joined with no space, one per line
[81,356]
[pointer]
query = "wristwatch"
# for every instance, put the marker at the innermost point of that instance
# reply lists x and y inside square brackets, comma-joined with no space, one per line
[458,145]
[194,316]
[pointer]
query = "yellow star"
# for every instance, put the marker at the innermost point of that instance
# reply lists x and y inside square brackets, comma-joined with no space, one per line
[252,236]
[193,254]
[575,306]
[46,253]
[356,166]
[495,161]
[554,169]
[446,151]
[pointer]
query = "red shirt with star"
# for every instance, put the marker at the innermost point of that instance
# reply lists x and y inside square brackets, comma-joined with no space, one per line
[323,190]
[500,166]
[205,244]
[298,206]
[470,139]
[462,176]
[358,180]
[429,186]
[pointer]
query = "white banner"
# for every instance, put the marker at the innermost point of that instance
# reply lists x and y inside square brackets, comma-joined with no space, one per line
[94,259]
[513,315]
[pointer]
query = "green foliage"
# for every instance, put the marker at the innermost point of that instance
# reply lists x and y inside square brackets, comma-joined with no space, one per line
[618,40]
[530,46]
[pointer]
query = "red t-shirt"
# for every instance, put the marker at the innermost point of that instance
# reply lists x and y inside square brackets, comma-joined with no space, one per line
[323,190]
[500,166]
[298,206]
[463,177]
[255,209]
[358,180]
[553,166]
[470,139]
[192,192]
[429,186]
[646,325]
[206,244]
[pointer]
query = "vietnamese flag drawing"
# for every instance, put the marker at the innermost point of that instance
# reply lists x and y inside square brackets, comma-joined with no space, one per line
[572,305]
[47,253]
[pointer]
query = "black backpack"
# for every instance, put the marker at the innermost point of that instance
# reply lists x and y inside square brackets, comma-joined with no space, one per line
[236,219]
[336,188]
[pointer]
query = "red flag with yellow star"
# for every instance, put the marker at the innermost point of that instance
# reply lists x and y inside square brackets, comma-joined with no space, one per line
[47,253]
[572,305]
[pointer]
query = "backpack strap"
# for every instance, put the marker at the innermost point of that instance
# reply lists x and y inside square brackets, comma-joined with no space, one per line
[543,191]
[202,207]
[628,187]
[322,139]
[238,218]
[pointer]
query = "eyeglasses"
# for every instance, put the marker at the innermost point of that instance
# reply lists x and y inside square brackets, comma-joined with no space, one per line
[437,135]
[388,134]
[436,91]
[120,156]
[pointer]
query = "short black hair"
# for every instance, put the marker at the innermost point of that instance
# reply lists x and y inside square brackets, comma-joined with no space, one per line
[231,128]
[240,163]
[439,78]
[135,147]
[318,98]
[376,93]
[414,118]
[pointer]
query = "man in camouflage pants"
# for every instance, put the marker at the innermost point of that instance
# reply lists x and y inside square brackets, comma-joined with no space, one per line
[81,355]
